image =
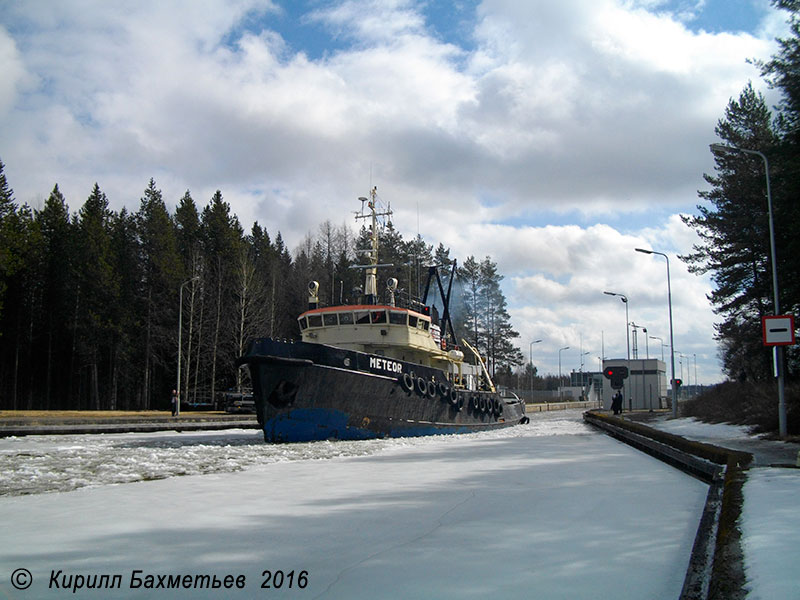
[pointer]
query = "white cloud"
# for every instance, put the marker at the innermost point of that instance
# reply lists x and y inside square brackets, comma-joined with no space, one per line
[13,71]
[585,110]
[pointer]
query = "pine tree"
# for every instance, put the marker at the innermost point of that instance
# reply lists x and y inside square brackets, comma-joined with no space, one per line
[734,235]
[783,73]
[469,275]
[500,350]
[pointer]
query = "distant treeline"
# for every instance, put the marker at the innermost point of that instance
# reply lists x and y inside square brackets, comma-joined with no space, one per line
[90,301]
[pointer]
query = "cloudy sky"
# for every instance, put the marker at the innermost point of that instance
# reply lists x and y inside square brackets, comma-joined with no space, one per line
[555,137]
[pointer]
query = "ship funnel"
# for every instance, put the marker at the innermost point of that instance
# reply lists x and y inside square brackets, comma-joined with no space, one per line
[313,299]
[391,286]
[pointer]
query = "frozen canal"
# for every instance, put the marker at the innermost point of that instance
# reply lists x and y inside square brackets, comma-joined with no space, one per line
[552,509]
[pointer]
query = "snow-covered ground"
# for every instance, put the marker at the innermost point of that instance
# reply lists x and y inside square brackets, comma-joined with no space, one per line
[770,526]
[552,509]
[736,437]
[770,519]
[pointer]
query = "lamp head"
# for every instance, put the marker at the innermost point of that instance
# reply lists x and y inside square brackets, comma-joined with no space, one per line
[721,148]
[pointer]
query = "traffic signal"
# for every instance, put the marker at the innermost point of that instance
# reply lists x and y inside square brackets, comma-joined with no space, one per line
[617,375]
[678,382]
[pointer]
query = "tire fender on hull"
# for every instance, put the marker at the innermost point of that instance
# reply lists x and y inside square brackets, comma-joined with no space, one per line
[430,389]
[406,382]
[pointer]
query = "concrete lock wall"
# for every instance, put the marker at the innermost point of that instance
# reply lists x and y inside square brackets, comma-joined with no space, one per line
[644,389]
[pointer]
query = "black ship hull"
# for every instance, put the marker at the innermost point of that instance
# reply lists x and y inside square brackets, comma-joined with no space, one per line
[306,392]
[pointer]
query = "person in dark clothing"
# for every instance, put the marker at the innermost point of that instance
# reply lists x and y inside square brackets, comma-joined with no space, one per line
[174,403]
[616,403]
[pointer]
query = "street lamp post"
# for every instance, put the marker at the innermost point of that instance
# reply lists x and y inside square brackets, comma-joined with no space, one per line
[530,358]
[660,341]
[180,330]
[583,381]
[778,350]
[671,337]
[624,299]
[636,328]
[559,370]
[682,356]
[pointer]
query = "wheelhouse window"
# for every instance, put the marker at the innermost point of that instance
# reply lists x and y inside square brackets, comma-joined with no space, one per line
[379,316]
[329,319]
[412,321]
[315,320]
[397,318]
[424,324]
[303,324]
[362,318]
[346,318]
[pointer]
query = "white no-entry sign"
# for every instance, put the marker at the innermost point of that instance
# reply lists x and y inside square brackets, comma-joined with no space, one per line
[778,330]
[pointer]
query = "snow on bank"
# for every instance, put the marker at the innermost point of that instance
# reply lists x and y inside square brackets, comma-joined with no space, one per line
[736,437]
[770,522]
[549,510]
[770,517]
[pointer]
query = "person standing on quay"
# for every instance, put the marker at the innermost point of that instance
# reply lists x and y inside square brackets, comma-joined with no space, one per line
[174,403]
[616,403]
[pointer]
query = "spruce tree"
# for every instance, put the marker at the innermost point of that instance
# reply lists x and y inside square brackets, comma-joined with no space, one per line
[124,389]
[158,298]
[57,302]
[222,238]
[99,290]
[7,213]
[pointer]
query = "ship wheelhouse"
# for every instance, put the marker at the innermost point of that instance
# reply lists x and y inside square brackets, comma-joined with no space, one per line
[392,331]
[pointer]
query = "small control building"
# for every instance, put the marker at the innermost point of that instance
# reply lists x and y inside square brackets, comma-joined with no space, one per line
[645,388]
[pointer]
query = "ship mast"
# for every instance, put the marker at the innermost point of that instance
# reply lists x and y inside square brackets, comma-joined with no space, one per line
[371,283]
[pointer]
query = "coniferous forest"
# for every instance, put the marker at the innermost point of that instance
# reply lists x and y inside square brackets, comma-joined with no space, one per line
[91,300]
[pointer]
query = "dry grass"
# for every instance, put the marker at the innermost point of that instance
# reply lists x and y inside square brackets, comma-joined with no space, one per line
[746,404]
[90,415]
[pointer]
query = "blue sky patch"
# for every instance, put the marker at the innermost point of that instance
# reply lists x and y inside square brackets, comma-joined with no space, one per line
[717,16]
